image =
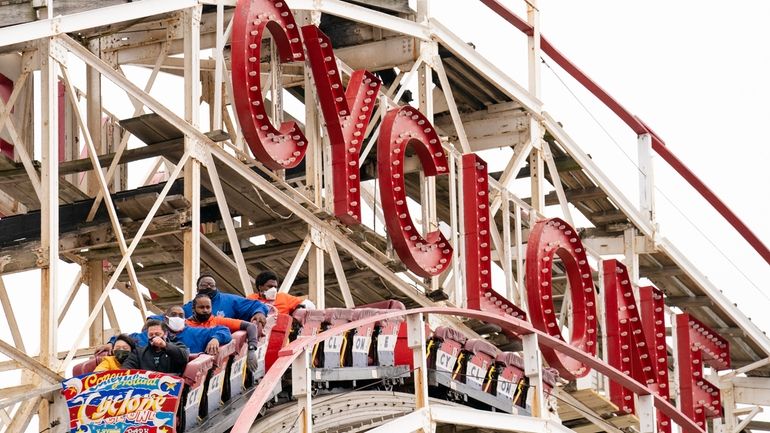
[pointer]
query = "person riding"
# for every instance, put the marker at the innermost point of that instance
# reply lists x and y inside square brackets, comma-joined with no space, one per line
[197,339]
[121,348]
[228,305]
[267,292]
[202,318]
[160,354]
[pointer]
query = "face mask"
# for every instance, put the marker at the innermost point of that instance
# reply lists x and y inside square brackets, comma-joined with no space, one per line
[271,293]
[202,317]
[175,324]
[121,355]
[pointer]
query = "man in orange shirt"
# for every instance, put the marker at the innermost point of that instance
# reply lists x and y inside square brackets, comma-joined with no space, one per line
[202,318]
[267,292]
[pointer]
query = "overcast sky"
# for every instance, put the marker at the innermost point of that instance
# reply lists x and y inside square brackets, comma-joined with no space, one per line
[695,71]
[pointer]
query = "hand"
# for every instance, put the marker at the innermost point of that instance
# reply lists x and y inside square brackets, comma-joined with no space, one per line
[213,347]
[104,349]
[158,342]
[251,360]
[258,318]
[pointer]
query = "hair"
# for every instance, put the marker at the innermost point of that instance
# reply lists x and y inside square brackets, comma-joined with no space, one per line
[264,277]
[127,339]
[199,296]
[168,310]
[204,275]
[152,322]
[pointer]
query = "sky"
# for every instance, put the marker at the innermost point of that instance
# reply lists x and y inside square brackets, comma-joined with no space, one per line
[694,71]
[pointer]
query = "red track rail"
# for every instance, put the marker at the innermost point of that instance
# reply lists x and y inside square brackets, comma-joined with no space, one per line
[508,323]
[637,125]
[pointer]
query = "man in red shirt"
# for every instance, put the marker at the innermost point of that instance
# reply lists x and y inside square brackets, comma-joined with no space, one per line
[267,292]
[202,318]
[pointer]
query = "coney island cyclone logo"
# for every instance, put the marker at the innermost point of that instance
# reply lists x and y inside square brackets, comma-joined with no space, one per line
[132,401]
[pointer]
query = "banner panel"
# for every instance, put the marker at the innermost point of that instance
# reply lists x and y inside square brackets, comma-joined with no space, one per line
[118,401]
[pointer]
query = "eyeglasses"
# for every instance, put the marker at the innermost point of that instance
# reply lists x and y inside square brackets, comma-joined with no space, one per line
[179,314]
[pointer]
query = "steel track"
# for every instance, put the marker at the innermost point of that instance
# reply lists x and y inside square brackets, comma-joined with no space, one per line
[347,412]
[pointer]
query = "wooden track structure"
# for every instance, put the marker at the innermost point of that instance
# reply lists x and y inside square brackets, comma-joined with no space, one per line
[282,221]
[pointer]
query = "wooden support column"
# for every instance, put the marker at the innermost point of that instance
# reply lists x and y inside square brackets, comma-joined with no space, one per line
[646,178]
[192,169]
[537,179]
[317,145]
[631,257]
[49,219]
[93,119]
[533,60]
[533,369]
[425,90]
[49,205]
[315,269]
[94,278]
[416,341]
[301,390]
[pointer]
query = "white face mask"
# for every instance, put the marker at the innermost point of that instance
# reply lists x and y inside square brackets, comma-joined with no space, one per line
[271,293]
[175,324]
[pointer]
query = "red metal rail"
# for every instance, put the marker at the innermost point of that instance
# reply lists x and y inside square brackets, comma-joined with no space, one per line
[288,354]
[637,125]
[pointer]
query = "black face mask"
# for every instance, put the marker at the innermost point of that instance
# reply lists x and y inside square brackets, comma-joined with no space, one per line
[211,293]
[121,355]
[202,317]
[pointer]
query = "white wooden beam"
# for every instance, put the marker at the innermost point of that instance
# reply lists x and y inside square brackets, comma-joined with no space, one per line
[224,210]
[296,264]
[49,204]
[124,260]
[415,420]
[10,317]
[339,272]
[111,211]
[85,20]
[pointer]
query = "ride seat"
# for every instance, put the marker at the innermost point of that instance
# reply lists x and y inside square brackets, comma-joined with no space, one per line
[309,321]
[445,333]
[362,337]
[216,379]
[335,348]
[278,336]
[510,378]
[510,359]
[236,369]
[194,376]
[481,355]
[87,366]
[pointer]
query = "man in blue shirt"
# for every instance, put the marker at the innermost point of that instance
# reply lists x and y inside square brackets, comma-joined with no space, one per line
[228,305]
[196,339]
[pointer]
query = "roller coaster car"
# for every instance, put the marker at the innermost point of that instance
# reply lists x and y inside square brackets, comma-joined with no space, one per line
[475,372]
[367,352]
[470,371]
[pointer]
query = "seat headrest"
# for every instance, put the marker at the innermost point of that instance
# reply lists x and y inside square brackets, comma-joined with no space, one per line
[511,358]
[363,313]
[390,304]
[478,345]
[447,333]
[338,315]
[304,315]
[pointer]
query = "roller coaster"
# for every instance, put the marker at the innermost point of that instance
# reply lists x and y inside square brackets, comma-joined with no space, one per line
[369,156]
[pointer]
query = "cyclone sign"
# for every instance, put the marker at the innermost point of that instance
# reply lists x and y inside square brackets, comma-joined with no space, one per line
[130,401]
